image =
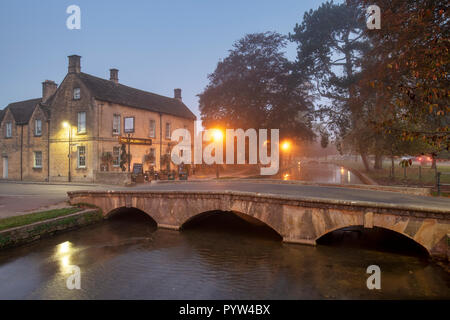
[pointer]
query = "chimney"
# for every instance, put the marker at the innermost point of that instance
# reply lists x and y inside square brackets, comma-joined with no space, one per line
[74,64]
[177,94]
[48,89]
[114,75]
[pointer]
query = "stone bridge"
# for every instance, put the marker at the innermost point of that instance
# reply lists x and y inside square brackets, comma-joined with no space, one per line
[295,219]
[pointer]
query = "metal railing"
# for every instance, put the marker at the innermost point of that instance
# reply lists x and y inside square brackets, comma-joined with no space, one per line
[438,181]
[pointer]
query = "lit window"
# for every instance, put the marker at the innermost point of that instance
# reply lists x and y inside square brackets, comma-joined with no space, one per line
[152,133]
[168,129]
[81,157]
[153,155]
[8,130]
[116,156]
[76,93]
[128,124]
[82,122]
[38,159]
[37,127]
[116,124]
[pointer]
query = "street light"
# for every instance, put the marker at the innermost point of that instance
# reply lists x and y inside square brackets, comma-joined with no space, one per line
[217,137]
[66,125]
[286,146]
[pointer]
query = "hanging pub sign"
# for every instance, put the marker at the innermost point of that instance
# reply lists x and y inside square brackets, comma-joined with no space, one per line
[142,141]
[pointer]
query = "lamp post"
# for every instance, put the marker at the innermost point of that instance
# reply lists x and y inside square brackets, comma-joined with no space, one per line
[67,125]
[218,138]
[286,147]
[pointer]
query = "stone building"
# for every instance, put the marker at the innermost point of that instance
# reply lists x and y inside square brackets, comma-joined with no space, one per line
[72,132]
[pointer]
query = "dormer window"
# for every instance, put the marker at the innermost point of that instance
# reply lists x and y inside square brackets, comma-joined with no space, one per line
[76,94]
[8,130]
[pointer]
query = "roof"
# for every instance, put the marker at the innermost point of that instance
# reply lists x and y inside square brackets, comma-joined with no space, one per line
[110,91]
[2,114]
[22,110]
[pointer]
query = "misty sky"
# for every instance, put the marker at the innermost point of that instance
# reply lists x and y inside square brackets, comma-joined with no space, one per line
[156,45]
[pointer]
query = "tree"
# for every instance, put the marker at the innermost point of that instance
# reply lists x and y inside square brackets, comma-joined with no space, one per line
[411,51]
[253,87]
[331,43]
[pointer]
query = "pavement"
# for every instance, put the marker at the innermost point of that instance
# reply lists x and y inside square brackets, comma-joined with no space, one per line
[19,198]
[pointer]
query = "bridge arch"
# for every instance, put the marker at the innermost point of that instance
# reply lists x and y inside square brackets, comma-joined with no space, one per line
[405,236]
[250,219]
[123,211]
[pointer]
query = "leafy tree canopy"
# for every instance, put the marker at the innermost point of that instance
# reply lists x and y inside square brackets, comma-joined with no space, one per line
[253,87]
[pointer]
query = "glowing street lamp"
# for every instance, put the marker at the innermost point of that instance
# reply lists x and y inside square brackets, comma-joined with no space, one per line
[217,137]
[286,146]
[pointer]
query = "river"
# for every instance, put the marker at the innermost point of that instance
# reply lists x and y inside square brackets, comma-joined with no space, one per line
[220,257]
[320,172]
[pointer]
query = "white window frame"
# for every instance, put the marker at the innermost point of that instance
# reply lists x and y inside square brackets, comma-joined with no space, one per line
[8,129]
[152,130]
[76,93]
[35,164]
[80,128]
[118,157]
[126,124]
[78,157]
[169,131]
[36,126]
[116,125]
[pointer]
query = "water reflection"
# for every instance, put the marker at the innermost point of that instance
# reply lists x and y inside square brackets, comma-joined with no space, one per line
[320,172]
[216,259]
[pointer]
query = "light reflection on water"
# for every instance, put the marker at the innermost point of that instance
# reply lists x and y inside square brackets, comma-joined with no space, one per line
[320,172]
[130,259]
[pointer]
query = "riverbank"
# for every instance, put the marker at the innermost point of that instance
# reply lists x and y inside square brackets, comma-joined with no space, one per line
[18,230]
[414,176]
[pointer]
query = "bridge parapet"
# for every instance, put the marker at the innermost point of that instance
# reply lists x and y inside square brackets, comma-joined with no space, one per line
[296,219]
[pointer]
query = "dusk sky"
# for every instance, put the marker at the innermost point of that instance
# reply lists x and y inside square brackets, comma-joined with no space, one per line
[156,45]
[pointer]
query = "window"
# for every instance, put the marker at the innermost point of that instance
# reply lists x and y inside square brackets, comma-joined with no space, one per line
[37,127]
[116,156]
[152,133]
[8,130]
[81,157]
[153,155]
[128,124]
[82,122]
[38,159]
[116,124]
[76,94]
[168,130]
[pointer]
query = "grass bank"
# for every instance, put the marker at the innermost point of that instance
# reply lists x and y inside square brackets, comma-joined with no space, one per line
[22,220]
[35,226]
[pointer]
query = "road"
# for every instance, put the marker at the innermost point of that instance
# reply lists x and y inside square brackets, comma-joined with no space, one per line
[17,198]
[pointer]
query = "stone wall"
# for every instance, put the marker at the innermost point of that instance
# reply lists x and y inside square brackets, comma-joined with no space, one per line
[24,234]
[113,178]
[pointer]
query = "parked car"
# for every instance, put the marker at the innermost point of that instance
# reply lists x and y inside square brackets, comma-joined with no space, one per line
[423,159]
